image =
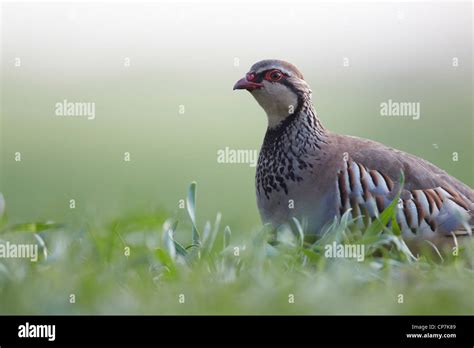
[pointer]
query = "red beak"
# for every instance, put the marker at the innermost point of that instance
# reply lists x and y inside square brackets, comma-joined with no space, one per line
[243,83]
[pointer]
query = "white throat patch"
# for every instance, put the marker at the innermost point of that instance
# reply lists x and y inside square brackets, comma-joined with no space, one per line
[277,100]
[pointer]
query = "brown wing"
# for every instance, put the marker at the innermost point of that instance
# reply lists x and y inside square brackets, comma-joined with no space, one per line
[419,173]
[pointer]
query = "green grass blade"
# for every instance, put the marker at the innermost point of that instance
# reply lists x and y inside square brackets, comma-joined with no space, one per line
[169,243]
[206,232]
[209,242]
[33,227]
[42,244]
[191,207]
[299,230]
[166,260]
[227,233]
[388,214]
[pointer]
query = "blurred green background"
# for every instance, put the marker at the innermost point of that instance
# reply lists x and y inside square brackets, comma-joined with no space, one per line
[191,54]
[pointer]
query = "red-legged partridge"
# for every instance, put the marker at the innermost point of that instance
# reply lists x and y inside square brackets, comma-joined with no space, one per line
[305,171]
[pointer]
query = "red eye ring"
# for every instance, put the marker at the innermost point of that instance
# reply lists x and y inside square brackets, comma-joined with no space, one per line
[274,75]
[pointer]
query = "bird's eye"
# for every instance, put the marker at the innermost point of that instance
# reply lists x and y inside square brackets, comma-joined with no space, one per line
[274,75]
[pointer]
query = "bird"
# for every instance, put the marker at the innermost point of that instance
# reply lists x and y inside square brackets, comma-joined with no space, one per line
[307,172]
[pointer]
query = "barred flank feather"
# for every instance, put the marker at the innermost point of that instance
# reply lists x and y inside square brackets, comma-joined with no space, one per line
[424,212]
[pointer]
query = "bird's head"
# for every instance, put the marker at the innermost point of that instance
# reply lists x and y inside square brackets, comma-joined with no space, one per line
[278,87]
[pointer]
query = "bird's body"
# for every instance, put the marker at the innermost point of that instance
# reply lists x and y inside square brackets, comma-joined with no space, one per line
[308,172]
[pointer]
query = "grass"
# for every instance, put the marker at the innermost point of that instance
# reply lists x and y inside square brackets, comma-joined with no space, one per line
[156,264]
